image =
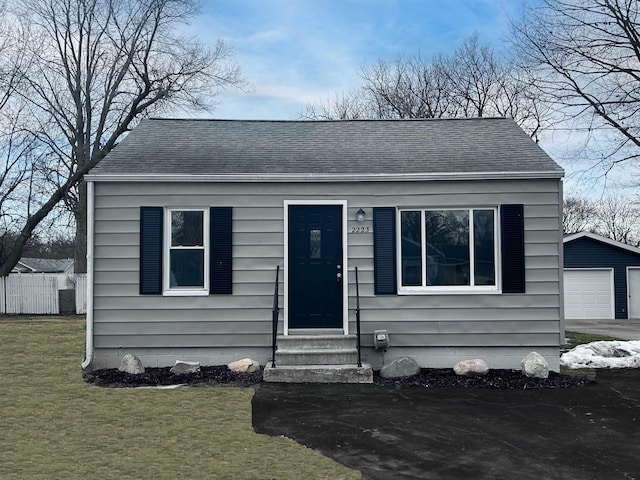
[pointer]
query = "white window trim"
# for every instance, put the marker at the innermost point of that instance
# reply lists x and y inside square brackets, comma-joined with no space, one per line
[167,290]
[449,289]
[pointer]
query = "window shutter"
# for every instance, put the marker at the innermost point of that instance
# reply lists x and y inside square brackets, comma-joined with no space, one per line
[513,271]
[151,250]
[220,280]
[384,250]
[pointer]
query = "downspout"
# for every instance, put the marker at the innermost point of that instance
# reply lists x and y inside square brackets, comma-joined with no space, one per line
[561,261]
[88,352]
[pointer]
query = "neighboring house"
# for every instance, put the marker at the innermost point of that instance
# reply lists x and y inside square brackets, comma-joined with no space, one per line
[454,226]
[601,278]
[62,268]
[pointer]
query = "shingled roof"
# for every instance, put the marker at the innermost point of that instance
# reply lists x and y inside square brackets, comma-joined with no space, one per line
[477,146]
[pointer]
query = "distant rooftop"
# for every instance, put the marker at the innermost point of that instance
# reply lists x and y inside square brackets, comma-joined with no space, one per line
[341,147]
[43,265]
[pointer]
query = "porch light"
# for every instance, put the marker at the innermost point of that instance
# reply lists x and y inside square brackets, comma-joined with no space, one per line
[360,214]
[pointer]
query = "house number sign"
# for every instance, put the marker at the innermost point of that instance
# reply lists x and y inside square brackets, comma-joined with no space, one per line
[361,230]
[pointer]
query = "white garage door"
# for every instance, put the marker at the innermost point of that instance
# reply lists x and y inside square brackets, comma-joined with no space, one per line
[588,293]
[633,291]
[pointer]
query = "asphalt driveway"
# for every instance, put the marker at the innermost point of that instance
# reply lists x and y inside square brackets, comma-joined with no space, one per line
[578,433]
[627,329]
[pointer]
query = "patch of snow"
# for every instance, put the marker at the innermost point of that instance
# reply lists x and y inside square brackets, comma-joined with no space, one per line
[603,355]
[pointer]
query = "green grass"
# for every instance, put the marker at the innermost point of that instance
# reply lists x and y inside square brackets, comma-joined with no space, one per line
[575,338]
[55,426]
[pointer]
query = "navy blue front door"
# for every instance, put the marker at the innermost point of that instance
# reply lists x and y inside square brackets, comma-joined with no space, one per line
[315,266]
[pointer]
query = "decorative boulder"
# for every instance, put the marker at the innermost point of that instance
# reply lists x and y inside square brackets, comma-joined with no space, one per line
[471,368]
[131,364]
[182,367]
[246,365]
[400,367]
[535,365]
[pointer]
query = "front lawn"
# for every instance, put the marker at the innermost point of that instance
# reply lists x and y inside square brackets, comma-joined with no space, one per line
[576,338]
[55,426]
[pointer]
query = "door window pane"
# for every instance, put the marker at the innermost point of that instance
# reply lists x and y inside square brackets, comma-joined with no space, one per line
[315,244]
[448,256]
[411,248]
[484,251]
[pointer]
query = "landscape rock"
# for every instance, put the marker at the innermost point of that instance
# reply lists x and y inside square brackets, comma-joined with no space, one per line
[400,367]
[246,365]
[181,367]
[534,365]
[471,368]
[131,364]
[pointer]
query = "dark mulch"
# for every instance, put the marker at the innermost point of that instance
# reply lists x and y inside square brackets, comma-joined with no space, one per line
[427,378]
[505,379]
[156,377]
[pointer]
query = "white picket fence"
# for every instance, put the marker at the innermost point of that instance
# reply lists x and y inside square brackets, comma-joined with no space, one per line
[38,294]
[81,293]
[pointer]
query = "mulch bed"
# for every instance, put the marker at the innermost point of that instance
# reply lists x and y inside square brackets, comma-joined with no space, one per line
[504,379]
[216,376]
[427,378]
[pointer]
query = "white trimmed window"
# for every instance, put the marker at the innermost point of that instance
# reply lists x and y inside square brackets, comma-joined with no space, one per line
[186,252]
[442,250]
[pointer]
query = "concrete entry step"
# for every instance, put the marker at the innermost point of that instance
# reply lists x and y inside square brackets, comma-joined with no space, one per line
[327,349]
[318,373]
[316,356]
[300,342]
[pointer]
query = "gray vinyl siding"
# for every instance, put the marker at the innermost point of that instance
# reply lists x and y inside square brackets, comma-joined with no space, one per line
[125,319]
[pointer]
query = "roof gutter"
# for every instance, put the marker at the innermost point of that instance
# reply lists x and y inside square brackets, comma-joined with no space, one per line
[321,177]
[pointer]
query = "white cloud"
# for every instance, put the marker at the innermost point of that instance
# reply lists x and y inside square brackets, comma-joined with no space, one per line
[301,51]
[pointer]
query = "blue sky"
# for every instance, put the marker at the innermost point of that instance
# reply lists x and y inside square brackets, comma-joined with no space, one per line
[295,52]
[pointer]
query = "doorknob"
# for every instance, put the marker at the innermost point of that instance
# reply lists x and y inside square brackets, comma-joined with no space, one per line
[338,277]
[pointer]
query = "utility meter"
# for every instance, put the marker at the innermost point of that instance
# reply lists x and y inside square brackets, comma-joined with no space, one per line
[380,339]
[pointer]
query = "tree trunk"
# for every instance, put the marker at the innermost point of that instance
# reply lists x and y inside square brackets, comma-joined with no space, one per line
[80,243]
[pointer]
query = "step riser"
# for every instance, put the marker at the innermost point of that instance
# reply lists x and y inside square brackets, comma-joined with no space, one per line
[284,357]
[318,374]
[316,331]
[306,342]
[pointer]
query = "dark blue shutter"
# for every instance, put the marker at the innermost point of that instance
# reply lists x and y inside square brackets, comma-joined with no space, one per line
[384,250]
[151,250]
[220,280]
[512,223]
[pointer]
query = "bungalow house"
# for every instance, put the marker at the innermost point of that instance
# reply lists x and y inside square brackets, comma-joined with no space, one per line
[601,278]
[454,227]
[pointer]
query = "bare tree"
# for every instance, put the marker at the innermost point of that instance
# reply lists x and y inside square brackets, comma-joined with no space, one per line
[619,219]
[586,58]
[578,215]
[408,88]
[95,68]
[348,106]
[472,81]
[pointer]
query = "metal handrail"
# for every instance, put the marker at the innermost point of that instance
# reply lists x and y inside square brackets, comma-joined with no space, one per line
[274,319]
[358,318]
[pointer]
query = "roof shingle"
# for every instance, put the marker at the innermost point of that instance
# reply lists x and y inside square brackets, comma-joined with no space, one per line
[347,147]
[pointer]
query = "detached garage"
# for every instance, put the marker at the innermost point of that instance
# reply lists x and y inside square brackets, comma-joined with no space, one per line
[601,278]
